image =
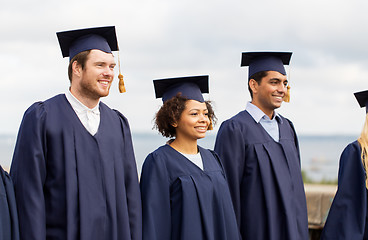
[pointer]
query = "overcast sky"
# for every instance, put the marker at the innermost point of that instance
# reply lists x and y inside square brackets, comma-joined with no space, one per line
[162,39]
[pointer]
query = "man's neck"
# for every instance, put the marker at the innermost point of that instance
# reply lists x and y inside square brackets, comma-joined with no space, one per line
[269,113]
[88,102]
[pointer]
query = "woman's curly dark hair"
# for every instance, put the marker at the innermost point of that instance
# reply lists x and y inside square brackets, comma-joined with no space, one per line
[170,113]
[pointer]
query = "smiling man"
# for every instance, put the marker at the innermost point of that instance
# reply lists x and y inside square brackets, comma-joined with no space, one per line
[260,153]
[73,167]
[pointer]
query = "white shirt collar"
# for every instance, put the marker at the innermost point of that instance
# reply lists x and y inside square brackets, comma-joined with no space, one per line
[257,114]
[80,107]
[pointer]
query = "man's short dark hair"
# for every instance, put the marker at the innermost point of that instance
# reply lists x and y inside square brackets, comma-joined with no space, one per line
[81,59]
[258,78]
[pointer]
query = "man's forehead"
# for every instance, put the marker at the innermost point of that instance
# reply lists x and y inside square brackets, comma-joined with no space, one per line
[275,74]
[98,54]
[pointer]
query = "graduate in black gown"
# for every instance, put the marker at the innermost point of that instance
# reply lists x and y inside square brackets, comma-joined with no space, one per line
[9,226]
[73,168]
[347,218]
[260,154]
[185,195]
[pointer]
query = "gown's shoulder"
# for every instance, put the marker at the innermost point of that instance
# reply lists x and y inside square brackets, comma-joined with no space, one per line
[154,165]
[155,156]
[352,147]
[201,149]
[161,152]
[350,159]
[240,117]
[41,108]
[115,114]
[208,152]
[37,110]
[238,124]
[112,111]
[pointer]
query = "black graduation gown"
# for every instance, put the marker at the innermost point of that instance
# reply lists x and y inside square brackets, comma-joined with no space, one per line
[72,185]
[264,178]
[182,202]
[9,226]
[347,218]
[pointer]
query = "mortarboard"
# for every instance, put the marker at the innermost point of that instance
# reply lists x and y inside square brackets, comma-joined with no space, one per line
[362,98]
[76,41]
[265,61]
[189,87]
[102,38]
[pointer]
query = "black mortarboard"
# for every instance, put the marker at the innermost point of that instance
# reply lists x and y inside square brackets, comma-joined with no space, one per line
[265,61]
[362,98]
[76,41]
[189,87]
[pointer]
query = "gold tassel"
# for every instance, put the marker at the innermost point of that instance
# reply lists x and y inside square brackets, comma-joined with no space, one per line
[121,83]
[120,76]
[287,95]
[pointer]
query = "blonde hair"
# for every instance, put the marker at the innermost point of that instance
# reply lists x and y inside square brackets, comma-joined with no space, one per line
[363,142]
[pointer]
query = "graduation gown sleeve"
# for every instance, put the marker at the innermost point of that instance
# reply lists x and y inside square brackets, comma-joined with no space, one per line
[155,199]
[230,145]
[131,183]
[28,172]
[348,212]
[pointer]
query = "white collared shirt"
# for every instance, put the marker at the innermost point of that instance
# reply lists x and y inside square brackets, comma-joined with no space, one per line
[90,118]
[270,125]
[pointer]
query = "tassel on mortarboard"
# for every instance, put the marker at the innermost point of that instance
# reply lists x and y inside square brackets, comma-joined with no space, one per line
[287,95]
[121,81]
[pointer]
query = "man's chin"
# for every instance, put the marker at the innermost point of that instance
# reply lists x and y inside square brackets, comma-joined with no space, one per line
[104,93]
[277,105]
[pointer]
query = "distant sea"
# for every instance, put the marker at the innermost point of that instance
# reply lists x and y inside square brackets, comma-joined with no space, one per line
[320,154]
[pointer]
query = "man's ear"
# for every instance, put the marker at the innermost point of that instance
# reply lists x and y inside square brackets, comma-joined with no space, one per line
[253,85]
[77,68]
